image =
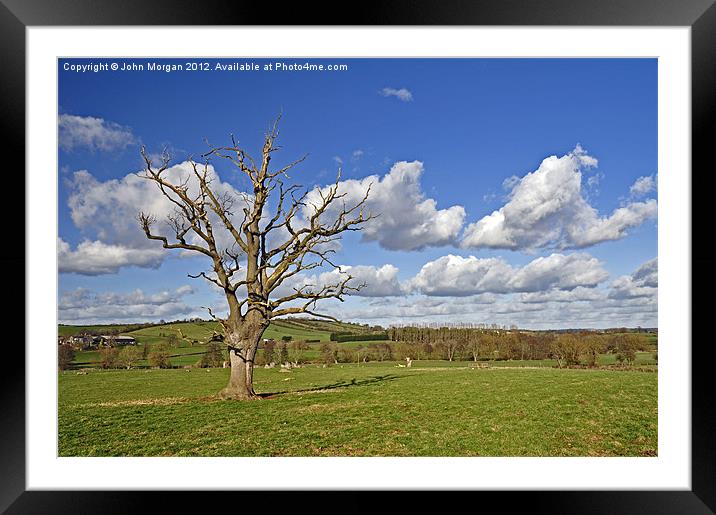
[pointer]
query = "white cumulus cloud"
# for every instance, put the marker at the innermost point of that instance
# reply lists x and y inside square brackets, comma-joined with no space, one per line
[461,276]
[644,282]
[96,257]
[546,209]
[642,186]
[85,306]
[401,94]
[107,211]
[92,133]
[377,281]
[406,219]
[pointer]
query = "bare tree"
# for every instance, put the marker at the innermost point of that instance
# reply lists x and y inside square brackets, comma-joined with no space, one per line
[268,246]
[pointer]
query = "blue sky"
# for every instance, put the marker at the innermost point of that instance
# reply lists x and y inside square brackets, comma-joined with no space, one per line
[469,132]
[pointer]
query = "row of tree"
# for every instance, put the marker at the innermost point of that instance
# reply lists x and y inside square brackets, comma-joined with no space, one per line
[418,343]
[156,356]
[289,350]
[454,343]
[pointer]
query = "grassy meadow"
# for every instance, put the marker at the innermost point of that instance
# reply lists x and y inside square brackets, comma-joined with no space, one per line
[375,409]
[434,408]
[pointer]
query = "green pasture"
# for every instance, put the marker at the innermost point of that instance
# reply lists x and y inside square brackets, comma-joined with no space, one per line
[376,409]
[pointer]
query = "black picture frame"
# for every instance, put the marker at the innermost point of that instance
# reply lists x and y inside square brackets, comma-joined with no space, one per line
[700,15]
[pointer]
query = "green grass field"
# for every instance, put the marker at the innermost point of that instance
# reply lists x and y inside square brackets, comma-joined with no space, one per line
[374,409]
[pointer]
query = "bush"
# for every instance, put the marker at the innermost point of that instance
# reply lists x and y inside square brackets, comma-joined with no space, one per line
[380,352]
[286,338]
[626,347]
[283,353]
[109,357]
[329,352]
[129,356]
[297,351]
[213,357]
[159,356]
[346,356]
[65,355]
[269,352]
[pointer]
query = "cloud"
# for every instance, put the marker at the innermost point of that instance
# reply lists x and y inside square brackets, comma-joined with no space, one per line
[107,212]
[379,281]
[562,292]
[546,209]
[560,272]
[508,309]
[578,294]
[642,186]
[93,133]
[643,282]
[338,159]
[82,305]
[401,94]
[416,307]
[510,182]
[462,276]
[557,291]
[357,154]
[96,258]
[595,179]
[407,220]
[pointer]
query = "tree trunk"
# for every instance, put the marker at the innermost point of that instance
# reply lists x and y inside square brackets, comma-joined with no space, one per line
[240,385]
[243,344]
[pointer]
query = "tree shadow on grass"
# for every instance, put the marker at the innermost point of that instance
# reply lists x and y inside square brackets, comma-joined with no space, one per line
[333,386]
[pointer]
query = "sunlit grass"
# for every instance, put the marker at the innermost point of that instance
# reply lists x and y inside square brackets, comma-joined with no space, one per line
[375,409]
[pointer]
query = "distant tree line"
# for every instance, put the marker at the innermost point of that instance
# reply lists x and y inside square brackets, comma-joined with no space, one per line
[361,337]
[462,343]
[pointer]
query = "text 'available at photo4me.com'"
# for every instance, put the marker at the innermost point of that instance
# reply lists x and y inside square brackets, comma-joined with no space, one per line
[201,66]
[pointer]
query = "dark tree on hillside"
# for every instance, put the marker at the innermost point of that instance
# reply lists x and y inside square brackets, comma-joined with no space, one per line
[109,357]
[65,355]
[213,357]
[626,349]
[159,356]
[283,353]
[269,348]
[267,246]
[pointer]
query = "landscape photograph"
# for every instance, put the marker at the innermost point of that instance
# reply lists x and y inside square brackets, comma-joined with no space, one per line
[357,257]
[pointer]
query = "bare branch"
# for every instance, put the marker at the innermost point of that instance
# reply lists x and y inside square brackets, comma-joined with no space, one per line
[147,221]
[310,227]
[210,279]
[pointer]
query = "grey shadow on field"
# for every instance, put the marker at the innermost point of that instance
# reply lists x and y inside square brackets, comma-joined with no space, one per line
[339,384]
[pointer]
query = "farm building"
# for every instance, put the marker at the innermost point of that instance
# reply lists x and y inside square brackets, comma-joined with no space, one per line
[114,340]
[81,341]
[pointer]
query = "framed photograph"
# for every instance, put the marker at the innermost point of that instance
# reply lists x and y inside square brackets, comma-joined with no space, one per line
[446,248]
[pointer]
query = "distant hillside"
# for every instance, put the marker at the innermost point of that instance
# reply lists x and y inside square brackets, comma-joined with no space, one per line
[70,330]
[200,331]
